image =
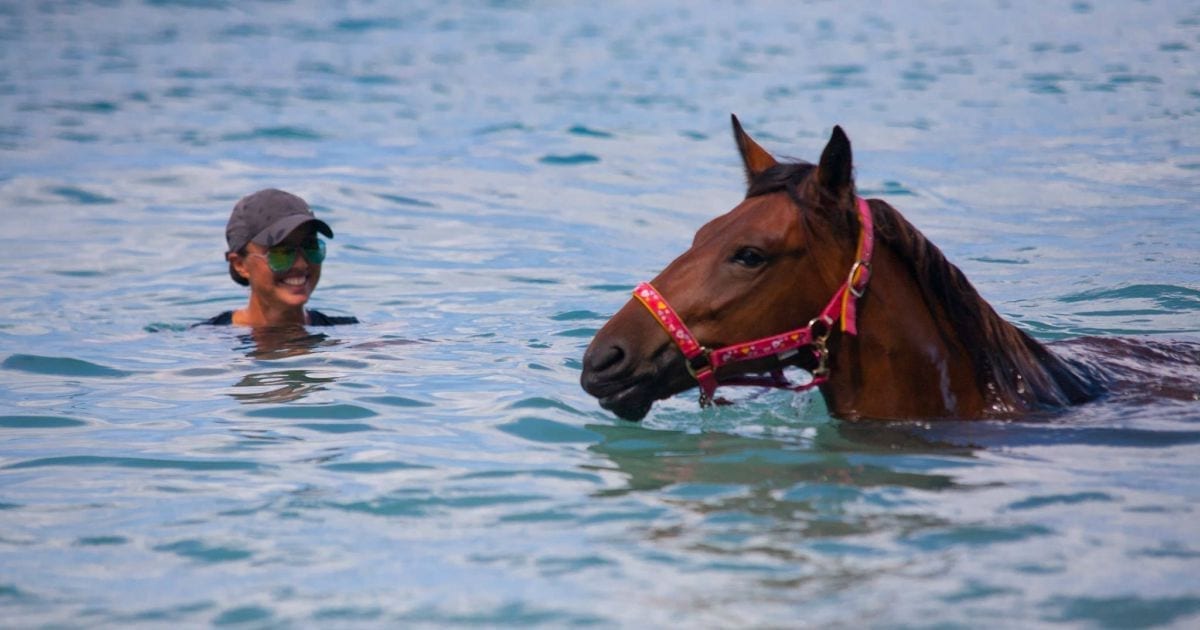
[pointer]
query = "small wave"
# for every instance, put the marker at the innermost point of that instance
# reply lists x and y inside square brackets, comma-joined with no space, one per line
[1060,499]
[60,366]
[580,130]
[397,401]
[99,541]
[274,133]
[337,427]
[80,196]
[93,107]
[611,288]
[135,462]
[362,25]
[323,412]
[569,160]
[373,467]
[549,431]
[39,422]
[200,551]
[576,315]
[1168,296]
[406,201]
[539,402]
[191,4]
[1122,611]
[579,333]
[889,188]
[488,130]
[976,536]
[244,615]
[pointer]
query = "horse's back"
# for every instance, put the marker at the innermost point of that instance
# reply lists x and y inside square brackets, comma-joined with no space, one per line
[1137,369]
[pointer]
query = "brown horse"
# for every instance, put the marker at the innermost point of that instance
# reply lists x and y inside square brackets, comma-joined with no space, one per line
[926,344]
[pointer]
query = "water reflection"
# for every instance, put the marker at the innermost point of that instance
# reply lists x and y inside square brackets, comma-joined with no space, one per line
[281,342]
[279,386]
[771,498]
[657,459]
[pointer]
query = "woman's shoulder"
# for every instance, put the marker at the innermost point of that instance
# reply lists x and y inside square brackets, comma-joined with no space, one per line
[317,318]
[224,319]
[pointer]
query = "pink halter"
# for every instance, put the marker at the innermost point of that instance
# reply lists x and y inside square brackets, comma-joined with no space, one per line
[703,362]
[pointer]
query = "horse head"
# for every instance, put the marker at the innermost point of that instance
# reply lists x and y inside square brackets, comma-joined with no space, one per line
[770,262]
[729,306]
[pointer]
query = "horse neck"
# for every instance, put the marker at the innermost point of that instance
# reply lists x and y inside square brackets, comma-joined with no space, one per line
[929,346]
[903,363]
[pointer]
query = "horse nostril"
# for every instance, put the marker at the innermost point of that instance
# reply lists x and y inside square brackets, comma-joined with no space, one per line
[606,359]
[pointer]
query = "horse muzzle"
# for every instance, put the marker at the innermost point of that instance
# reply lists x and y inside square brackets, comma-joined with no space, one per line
[626,380]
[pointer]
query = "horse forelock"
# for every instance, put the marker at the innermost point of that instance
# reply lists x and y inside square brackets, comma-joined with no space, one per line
[780,177]
[795,179]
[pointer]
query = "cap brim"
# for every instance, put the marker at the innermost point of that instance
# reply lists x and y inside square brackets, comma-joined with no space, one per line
[279,230]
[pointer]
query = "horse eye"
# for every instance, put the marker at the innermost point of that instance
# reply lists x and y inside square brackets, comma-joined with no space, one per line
[749,257]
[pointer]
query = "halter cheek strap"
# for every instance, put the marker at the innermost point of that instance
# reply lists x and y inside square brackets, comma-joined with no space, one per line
[703,362]
[699,358]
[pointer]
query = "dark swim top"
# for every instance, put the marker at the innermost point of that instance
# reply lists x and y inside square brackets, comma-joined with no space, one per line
[315,318]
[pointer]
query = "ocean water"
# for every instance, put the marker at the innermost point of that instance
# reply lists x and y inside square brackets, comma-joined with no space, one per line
[499,175]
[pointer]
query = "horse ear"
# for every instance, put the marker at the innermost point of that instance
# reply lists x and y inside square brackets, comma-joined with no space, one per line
[755,158]
[836,170]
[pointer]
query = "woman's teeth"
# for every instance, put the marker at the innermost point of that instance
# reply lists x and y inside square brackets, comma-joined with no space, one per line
[296,281]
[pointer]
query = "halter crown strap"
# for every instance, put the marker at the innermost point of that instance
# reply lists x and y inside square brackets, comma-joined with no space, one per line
[860,271]
[702,362]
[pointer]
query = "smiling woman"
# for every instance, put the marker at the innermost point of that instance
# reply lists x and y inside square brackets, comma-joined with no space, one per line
[274,249]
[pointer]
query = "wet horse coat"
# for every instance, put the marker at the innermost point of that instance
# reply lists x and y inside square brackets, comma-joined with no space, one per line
[927,345]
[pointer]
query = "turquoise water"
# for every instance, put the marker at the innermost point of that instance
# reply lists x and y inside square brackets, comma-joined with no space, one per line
[499,176]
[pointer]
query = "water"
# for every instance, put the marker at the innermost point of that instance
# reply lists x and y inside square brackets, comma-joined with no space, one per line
[499,175]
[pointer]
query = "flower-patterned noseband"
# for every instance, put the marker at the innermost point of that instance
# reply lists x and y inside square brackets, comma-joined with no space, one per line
[703,362]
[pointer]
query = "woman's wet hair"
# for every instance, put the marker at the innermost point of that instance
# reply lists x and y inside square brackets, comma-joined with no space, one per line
[233,272]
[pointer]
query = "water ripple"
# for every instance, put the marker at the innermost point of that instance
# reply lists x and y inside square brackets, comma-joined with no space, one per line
[572,159]
[548,431]
[137,462]
[39,422]
[206,553]
[60,366]
[499,175]
[323,412]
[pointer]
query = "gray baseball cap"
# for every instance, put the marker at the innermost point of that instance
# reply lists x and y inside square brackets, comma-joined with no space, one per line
[267,217]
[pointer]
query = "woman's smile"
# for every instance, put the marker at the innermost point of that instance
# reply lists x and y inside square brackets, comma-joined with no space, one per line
[298,283]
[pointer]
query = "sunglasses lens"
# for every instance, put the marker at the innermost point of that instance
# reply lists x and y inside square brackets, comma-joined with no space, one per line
[315,254]
[280,258]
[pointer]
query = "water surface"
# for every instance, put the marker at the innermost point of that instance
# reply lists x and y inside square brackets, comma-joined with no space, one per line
[499,176]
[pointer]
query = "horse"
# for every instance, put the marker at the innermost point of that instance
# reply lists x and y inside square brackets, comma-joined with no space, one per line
[805,273]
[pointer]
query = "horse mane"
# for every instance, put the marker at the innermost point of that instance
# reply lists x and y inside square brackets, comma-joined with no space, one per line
[1008,362]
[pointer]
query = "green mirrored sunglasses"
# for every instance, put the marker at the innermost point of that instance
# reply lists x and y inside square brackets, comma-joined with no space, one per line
[282,257]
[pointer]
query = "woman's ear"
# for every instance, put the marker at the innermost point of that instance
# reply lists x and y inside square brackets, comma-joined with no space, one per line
[237,265]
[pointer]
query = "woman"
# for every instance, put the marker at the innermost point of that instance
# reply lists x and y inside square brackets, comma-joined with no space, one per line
[274,250]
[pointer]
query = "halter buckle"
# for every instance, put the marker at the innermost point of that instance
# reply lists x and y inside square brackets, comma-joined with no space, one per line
[819,329]
[821,351]
[699,363]
[859,265]
[820,334]
[700,367]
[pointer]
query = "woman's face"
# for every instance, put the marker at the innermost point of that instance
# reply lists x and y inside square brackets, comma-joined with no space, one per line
[290,287]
